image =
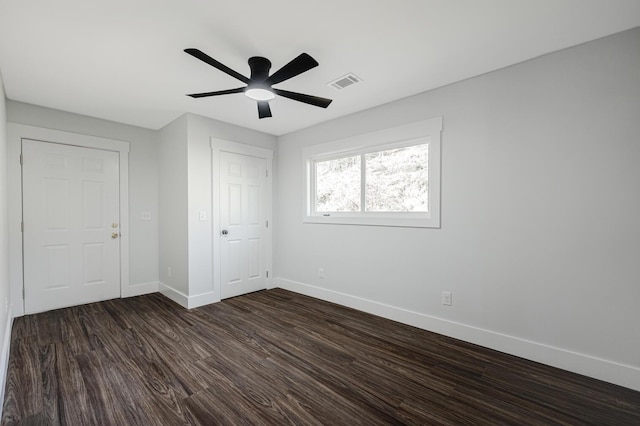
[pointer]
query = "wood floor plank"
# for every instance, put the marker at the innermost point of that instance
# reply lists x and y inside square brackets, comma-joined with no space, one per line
[326,402]
[102,393]
[24,378]
[23,327]
[276,357]
[73,400]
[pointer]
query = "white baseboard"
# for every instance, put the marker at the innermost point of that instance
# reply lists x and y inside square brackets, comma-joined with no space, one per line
[4,356]
[177,296]
[188,302]
[609,371]
[140,289]
[202,299]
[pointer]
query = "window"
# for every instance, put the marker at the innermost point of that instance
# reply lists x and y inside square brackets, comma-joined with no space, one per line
[397,180]
[394,180]
[337,184]
[388,178]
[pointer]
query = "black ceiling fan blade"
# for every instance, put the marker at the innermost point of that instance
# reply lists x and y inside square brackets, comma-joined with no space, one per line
[264,110]
[301,97]
[298,65]
[222,67]
[219,92]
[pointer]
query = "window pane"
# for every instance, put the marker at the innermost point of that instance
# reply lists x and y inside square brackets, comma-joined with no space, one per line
[397,180]
[338,185]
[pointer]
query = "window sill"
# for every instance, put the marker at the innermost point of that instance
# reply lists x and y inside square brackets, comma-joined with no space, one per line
[414,222]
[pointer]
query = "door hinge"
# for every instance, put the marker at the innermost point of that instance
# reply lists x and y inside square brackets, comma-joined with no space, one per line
[21,226]
[266,172]
[23,293]
[267,274]
[267,224]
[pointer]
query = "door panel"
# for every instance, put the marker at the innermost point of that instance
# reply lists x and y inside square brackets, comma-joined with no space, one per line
[57,258]
[70,210]
[254,257]
[243,188]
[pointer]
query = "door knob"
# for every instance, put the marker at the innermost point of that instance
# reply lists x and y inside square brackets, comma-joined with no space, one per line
[114,225]
[224,232]
[114,235]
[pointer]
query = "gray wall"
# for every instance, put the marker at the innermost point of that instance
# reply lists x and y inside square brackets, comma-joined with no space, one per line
[174,253]
[5,317]
[143,175]
[540,236]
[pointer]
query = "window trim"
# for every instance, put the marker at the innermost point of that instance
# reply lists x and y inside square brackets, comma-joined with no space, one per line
[395,137]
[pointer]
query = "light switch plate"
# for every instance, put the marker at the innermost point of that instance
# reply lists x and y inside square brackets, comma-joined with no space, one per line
[446,298]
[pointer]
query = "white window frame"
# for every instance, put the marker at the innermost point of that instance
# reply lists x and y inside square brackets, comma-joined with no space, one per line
[408,135]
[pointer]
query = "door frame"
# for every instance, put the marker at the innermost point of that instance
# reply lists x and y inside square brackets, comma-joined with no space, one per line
[221,145]
[15,134]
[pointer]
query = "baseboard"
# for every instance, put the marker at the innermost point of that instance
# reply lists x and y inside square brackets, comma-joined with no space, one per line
[4,357]
[188,302]
[140,289]
[201,299]
[177,296]
[609,371]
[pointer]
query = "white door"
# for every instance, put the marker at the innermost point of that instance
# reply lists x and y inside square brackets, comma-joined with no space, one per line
[243,224]
[71,225]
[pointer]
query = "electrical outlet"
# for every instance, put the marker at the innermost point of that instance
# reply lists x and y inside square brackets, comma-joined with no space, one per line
[320,272]
[446,298]
[145,216]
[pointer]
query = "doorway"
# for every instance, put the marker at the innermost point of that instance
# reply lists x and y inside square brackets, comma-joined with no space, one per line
[242,191]
[16,134]
[71,225]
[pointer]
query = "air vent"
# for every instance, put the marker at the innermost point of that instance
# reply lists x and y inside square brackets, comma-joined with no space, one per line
[344,81]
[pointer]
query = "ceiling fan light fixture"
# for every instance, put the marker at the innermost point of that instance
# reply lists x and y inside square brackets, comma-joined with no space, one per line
[258,87]
[259,94]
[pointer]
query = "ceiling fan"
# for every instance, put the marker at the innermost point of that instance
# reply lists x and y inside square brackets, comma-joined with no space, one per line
[258,86]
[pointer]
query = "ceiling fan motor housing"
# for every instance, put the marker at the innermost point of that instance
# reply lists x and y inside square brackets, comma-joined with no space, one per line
[259,68]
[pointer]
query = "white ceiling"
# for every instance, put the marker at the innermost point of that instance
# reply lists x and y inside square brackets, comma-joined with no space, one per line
[123,60]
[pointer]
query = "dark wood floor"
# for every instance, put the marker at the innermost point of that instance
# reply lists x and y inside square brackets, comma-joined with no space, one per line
[274,358]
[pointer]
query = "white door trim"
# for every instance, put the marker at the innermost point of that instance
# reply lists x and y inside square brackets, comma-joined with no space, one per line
[15,134]
[218,145]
